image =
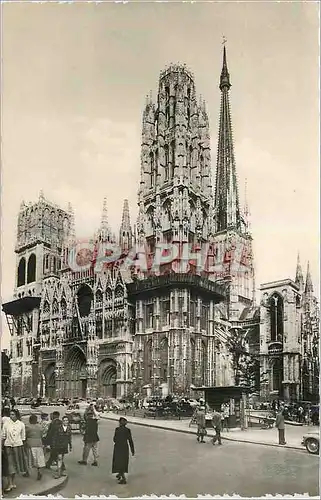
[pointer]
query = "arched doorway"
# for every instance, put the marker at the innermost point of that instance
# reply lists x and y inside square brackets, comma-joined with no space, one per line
[107,378]
[76,373]
[50,381]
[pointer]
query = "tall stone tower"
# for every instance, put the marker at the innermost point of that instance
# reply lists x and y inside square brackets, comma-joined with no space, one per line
[175,194]
[233,241]
[174,341]
[41,230]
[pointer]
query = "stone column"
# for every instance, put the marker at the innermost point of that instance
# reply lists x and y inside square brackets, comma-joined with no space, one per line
[59,366]
[92,358]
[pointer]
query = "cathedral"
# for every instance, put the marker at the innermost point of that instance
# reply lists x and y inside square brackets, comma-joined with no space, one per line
[105,329]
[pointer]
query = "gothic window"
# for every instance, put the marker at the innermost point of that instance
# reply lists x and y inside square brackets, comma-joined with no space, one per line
[188,106]
[19,326]
[55,308]
[19,349]
[99,299]
[46,308]
[276,318]
[204,316]
[148,366]
[152,169]
[21,272]
[167,109]
[181,316]
[119,293]
[166,163]
[54,264]
[149,315]
[84,300]
[99,327]
[193,311]
[165,312]
[202,169]
[29,347]
[277,375]
[204,363]
[172,159]
[163,360]
[108,295]
[31,270]
[108,328]
[193,361]
[63,306]
[189,152]
[155,166]
[29,322]
[46,263]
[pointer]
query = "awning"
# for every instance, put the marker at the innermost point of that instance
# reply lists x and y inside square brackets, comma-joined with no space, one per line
[21,306]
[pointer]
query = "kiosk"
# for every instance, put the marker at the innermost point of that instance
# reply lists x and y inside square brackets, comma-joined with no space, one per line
[235,396]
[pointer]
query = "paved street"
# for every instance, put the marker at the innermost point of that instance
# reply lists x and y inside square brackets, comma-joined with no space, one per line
[169,462]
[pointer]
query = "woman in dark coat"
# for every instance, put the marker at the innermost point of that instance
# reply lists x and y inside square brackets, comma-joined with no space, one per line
[122,438]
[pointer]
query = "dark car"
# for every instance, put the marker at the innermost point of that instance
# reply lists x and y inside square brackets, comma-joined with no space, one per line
[35,403]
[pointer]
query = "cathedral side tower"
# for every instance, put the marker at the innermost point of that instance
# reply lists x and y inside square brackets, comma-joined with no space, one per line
[233,242]
[42,227]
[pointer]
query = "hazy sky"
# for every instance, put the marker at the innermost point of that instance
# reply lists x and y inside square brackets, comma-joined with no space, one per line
[75,78]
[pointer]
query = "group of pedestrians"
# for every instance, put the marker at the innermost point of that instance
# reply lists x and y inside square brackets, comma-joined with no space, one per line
[217,419]
[123,441]
[60,441]
[26,446]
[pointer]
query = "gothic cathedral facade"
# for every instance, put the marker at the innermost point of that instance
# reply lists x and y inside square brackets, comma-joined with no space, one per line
[76,332]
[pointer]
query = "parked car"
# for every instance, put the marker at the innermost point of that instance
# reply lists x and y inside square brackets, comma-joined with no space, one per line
[75,414]
[35,403]
[21,401]
[311,441]
[62,402]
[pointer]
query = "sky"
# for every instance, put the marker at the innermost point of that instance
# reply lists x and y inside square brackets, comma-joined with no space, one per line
[74,81]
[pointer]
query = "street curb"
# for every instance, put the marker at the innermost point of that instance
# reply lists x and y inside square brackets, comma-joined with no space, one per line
[185,431]
[59,484]
[54,489]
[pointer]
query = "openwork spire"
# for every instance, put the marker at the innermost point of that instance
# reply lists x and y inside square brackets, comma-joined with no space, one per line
[104,232]
[308,281]
[299,280]
[125,217]
[226,191]
[125,232]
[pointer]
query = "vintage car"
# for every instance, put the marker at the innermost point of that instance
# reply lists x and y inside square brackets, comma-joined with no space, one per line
[76,413]
[311,441]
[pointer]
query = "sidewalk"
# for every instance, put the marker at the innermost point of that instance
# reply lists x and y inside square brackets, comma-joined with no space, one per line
[30,486]
[266,437]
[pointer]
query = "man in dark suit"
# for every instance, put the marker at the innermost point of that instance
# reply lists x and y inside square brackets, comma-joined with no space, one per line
[91,438]
[279,424]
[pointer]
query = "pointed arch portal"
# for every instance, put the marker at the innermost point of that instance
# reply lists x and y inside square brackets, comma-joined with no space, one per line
[76,373]
[107,376]
[50,381]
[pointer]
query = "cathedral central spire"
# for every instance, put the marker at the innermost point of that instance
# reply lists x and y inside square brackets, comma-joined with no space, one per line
[226,190]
